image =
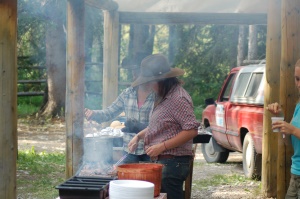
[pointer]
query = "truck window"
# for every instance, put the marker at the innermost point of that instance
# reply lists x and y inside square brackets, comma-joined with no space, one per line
[253,85]
[242,84]
[227,89]
[248,84]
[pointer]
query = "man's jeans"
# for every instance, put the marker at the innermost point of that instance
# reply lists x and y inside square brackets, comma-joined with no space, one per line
[174,173]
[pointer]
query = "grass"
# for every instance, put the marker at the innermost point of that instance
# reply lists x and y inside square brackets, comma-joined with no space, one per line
[39,173]
[216,180]
[29,105]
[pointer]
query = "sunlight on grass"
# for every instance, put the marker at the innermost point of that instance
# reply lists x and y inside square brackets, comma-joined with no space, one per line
[39,173]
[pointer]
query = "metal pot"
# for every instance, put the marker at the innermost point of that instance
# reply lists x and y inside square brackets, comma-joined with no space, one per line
[98,149]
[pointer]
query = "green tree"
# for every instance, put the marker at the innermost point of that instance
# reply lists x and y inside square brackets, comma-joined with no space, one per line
[207,53]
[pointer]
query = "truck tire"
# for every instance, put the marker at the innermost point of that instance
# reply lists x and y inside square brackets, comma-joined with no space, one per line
[251,160]
[213,156]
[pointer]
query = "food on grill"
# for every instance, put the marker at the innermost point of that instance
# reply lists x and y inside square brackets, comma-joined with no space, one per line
[96,170]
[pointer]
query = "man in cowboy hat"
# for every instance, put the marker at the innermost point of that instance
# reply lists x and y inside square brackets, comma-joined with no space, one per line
[137,103]
[172,126]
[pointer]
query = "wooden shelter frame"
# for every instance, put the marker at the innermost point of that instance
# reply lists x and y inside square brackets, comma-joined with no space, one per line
[283,50]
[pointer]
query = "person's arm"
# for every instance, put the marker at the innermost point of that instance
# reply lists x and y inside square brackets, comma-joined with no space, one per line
[274,108]
[132,145]
[111,112]
[181,138]
[285,128]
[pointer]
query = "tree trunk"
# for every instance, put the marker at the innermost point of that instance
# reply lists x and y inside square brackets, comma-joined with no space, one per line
[141,39]
[55,61]
[252,42]
[241,45]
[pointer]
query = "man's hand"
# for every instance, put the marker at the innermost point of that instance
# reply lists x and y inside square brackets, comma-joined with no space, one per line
[88,113]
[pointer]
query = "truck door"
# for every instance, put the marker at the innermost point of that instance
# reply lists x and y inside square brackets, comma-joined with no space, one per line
[222,104]
[244,111]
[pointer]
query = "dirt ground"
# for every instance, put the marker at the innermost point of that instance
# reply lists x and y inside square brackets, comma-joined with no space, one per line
[49,136]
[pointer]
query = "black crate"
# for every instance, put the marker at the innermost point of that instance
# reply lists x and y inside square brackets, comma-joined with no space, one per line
[84,188]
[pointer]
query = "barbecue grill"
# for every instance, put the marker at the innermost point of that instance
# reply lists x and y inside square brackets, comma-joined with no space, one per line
[84,188]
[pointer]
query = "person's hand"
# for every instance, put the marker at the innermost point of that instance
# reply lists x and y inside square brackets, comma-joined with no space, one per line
[274,108]
[155,150]
[88,113]
[132,145]
[284,127]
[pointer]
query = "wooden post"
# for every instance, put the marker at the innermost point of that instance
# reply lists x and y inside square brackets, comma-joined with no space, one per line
[252,42]
[290,53]
[74,86]
[272,82]
[8,98]
[110,57]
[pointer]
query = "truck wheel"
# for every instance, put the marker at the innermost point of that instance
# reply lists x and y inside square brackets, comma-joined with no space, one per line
[213,156]
[251,160]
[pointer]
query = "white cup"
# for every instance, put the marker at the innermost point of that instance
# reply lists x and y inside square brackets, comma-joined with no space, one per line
[274,119]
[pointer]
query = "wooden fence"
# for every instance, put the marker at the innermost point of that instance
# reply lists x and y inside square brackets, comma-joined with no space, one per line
[42,70]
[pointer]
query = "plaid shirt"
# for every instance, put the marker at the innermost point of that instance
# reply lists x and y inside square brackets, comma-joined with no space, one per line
[127,102]
[172,115]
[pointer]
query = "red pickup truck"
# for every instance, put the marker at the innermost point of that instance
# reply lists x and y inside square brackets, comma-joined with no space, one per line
[235,119]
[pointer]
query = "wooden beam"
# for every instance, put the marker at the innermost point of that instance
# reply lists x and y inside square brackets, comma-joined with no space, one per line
[102,4]
[110,57]
[8,99]
[290,53]
[191,18]
[272,82]
[75,86]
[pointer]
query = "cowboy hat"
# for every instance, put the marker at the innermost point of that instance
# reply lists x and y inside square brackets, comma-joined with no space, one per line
[156,67]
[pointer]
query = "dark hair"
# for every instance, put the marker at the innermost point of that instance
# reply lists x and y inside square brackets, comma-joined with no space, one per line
[165,85]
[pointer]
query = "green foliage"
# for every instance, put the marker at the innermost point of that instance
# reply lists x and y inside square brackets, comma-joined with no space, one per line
[124,41]
[29,105]
[161,40]
[261,41]
[31,33]
[206,55]
[198,112]
[39,173]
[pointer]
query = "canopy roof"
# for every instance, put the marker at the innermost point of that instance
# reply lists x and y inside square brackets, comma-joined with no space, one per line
[195,6]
